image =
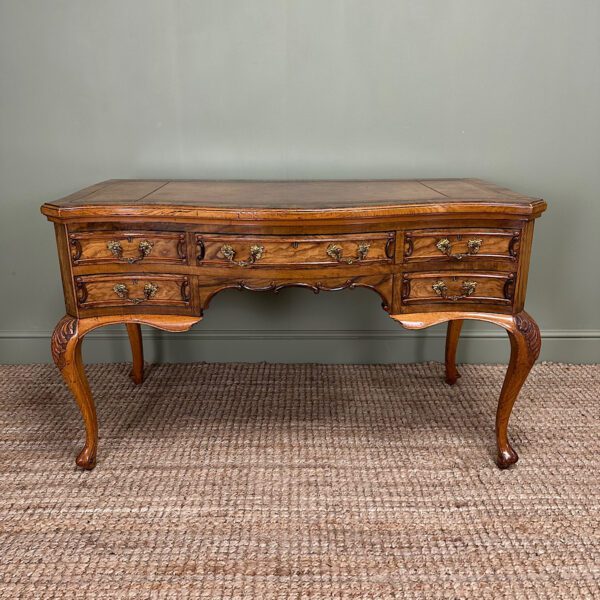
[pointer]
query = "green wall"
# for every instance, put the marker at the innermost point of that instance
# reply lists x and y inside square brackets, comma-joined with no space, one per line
[507,91]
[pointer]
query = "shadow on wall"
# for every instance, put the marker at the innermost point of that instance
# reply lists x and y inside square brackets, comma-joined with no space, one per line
[298,326]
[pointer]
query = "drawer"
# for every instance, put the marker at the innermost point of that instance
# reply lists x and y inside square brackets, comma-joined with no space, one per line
[451,287]
[461,244]
[264,251]
[129,247]
[97,291]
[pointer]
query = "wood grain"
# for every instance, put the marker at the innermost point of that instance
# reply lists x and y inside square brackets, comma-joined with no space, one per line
[421,244]
[452,337]
[419,288]
[66,352]
[98,291]
[160,252]
[291,251]
[282,200]
[525,344]
[93,247]
[134,331]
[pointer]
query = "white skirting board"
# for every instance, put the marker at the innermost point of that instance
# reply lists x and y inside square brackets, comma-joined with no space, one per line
[111,345]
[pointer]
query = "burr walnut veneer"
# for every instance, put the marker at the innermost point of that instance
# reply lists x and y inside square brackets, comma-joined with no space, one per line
[157,252]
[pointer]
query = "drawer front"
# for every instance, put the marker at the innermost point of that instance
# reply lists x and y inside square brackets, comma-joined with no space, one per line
[452,287]
[461,244]
[128,247]
[97,291]
[265,251]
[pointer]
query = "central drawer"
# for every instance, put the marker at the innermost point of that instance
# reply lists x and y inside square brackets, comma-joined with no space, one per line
[265,251]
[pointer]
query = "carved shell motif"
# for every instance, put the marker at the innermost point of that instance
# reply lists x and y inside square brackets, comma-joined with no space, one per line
[527,326]
[64,331]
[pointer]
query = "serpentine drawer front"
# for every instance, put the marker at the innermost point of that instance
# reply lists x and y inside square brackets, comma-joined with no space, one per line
[128,247]
[245,251]
[158,252]
[132,290]
[461,244]
[452,287]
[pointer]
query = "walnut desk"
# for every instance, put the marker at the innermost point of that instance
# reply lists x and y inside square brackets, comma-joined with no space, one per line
[157,252]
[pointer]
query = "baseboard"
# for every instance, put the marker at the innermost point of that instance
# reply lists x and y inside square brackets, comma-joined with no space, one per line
[363,346]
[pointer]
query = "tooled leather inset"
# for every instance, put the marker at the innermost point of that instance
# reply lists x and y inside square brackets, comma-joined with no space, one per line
[528,327]
[65,330]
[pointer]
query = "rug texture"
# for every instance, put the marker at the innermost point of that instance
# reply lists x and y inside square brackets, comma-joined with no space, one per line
[267,481]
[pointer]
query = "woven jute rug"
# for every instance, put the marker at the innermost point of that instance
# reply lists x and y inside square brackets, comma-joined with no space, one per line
[300,481]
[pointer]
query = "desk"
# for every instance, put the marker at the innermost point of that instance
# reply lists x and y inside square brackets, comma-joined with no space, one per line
[158,252]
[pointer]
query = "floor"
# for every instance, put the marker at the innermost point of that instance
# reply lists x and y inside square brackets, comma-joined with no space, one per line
[300,481]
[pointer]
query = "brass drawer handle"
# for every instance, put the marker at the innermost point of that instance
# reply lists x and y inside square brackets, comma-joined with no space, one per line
[121,290]
[474,245]
[441,289]
[445,247]
[144,249]
[334,251]
[256,253]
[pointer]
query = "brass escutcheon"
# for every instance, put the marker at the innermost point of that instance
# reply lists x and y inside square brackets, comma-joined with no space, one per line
[444,246]
[120,289]
[145,248]
[469,287]
[440,288]
[473,246]
[115,247]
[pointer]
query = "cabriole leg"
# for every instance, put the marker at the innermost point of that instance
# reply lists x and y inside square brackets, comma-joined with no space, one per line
[66,352]
[134,331]
[525,345]
[452,336]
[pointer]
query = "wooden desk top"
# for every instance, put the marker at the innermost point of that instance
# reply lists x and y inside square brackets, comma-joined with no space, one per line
[156,252]
[236,199]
